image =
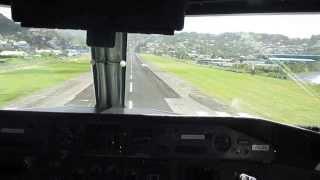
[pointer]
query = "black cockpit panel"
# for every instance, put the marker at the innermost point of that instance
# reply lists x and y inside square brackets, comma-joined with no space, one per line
[92,146]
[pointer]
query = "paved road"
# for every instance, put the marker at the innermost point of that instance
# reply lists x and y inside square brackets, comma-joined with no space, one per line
[85,98]
[144,89]
[57,96]
[150,89]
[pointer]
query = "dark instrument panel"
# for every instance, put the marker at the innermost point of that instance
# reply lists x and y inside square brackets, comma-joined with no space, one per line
[164,141]
[96,146]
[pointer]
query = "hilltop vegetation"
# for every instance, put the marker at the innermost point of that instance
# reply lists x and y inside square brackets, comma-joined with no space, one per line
[226,45]
[237,52]
[39,38]
[8,27]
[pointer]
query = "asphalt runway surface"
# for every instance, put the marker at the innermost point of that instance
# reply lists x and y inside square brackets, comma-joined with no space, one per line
[144,90]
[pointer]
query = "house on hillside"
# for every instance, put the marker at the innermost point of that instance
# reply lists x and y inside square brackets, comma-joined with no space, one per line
[4,44]
[48,51]
[290,60]
[21,45]
[12,53]
[216,61]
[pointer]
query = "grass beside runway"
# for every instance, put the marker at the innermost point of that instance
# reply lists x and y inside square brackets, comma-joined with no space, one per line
[20,76]
[279,100]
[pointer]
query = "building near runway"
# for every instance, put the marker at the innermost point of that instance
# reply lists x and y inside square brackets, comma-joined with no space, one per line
[291,60]
[293,56]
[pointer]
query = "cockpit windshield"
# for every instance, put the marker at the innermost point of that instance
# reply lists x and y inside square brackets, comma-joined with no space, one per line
[259,66]
[263,66]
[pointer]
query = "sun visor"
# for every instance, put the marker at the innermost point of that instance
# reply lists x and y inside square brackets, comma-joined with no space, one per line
[142,16]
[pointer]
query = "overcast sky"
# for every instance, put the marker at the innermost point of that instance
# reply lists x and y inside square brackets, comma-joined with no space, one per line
[5,11]
[294,26]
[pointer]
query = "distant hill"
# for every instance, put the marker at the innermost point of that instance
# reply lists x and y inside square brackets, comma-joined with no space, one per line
[228,45]
[41,38]
[7,27]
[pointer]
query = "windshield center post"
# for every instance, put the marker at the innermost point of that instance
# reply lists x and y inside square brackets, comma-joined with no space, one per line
[109,75]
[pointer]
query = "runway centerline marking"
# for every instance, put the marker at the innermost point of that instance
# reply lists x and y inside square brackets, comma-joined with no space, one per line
[130,104]
[131,68]
[131,87]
